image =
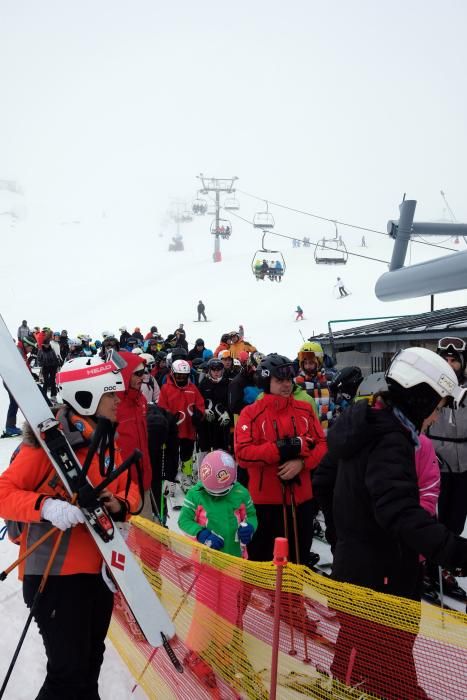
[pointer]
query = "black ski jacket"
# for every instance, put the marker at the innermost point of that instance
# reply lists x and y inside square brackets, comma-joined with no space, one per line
[369,482]
[163,444]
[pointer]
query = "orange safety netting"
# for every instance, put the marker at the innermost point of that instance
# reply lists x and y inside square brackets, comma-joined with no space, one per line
[336,640]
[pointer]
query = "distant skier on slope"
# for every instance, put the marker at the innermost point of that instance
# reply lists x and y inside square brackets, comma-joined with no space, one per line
[341,288]
[299,312]
[201,311]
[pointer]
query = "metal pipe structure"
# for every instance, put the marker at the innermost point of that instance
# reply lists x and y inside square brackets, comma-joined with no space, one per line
[446,274]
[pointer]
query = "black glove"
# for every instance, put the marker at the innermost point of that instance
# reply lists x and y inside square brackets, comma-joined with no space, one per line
[289,448]
[197,417]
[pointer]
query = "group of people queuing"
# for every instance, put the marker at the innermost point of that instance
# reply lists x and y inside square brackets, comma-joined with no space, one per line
[260,443]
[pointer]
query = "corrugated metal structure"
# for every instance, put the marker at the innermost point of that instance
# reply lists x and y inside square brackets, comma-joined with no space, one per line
[372,346]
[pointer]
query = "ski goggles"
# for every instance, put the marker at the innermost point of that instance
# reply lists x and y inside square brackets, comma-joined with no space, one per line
[455,343]
[113,356]
[139,372]
[216,366]
[284,372]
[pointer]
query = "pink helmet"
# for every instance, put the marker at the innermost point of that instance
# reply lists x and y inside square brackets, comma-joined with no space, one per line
[218,472]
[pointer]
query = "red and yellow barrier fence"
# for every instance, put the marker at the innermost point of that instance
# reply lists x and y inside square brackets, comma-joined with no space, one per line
[336,641]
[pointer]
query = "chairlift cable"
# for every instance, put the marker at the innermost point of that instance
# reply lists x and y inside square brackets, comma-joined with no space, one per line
[295,238]
[338,222]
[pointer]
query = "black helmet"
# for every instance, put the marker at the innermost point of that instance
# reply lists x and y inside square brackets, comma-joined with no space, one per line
[346,382]
[199,341]
[198,363]
[179,353]
[160,355]
[372,384]
[274,365]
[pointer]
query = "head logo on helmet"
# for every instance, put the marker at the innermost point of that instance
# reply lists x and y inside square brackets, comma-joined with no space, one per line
[83,381]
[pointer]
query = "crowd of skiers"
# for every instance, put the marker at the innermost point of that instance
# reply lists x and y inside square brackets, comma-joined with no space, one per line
[306,436]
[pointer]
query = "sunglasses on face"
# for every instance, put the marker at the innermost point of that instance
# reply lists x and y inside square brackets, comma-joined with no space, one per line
[139,373]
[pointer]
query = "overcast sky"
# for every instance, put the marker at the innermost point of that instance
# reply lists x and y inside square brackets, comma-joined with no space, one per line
[338,107]
[115,105]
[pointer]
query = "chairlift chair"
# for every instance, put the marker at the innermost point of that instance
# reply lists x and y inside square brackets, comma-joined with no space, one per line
[263,219]
[222,229]
[187,216]
[331,251]
[264,264]
[232,204]
[199,206]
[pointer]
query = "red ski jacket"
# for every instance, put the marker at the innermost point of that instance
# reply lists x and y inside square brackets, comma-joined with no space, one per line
[181,400]
[258,428]
[132,432]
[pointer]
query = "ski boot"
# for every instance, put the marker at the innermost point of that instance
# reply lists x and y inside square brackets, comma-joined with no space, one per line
[203,672]
[313,560]
[430,592]
[12,431]
[451,587]
[186,481]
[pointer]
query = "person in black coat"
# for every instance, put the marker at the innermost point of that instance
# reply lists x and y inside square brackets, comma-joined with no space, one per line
[197,351]
[201,311]
[214,432]
[163,447]
[47,360]
[367,485]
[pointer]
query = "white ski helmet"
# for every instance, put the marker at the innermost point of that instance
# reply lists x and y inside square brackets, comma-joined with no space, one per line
[74,343]
[137,351]
[83,381]
[182,367]
[147,357]
[414,366]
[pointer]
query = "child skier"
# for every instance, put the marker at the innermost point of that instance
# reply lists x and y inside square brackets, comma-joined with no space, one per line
[299,312]
[219,512]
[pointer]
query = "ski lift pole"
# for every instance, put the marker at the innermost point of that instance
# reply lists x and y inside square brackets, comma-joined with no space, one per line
[281,552]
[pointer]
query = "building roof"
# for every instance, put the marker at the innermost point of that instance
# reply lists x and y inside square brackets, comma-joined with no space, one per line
[431,324]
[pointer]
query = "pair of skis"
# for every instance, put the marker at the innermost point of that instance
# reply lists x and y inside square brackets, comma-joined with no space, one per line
[142,601]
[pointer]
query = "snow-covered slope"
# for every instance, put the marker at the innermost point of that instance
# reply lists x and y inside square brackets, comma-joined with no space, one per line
[102,273]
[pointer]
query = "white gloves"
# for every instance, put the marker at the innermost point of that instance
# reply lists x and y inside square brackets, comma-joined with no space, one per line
[61,513]
[224,419]
[209,415]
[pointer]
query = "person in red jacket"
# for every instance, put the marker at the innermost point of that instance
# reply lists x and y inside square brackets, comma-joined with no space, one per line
[181,397]
[279,440]
[132,427]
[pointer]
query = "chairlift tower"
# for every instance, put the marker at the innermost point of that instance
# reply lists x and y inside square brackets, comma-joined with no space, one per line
[216,185]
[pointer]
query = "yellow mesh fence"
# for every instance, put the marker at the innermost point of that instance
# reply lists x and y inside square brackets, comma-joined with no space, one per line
[336,640]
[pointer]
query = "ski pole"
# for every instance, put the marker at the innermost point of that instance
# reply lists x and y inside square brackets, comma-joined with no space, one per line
[27,552]
[292,651]
[35,602]
[162,485]
[441,593]
[306,659]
